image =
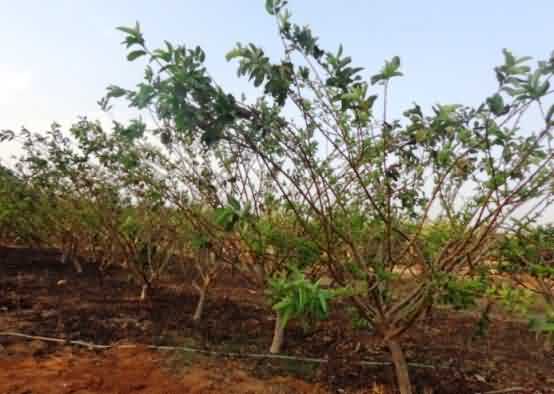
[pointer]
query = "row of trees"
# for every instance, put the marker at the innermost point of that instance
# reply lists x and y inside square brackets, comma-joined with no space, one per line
[311,180]
[116,199]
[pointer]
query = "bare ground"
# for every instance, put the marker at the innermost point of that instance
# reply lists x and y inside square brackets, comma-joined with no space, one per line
[40,296]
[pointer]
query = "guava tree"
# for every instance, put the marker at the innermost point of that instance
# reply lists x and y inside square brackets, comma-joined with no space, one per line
[362,184]
[48,171]
[20,214]
[226,196]
[136,225]
[90,189]
[527,255]
[284,263]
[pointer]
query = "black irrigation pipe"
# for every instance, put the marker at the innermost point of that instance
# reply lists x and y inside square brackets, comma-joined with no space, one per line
[202,351]
[230,354]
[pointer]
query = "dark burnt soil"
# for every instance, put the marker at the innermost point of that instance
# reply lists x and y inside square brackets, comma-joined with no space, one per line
[40,296]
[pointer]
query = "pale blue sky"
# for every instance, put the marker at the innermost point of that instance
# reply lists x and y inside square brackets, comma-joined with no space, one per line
[57,56]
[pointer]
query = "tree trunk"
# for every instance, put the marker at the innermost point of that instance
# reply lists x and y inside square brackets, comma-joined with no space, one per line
[278,336]
[186,268]
[547,345]
[77,265]
[400,367]
[260,274]
[200,305]
[549,298]
[144,292]
[69,257]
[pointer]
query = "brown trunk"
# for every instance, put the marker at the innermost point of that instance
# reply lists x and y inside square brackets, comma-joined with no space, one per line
[400,367]
[68,256]
[200,305]
[547,345]
[186,268]
[144,292]
[77,265]
[260,273]
[278,336]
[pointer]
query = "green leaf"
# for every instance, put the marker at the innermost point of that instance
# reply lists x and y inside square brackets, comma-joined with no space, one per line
[234,203]
[285,317]
[223,216]
[323,302]
[283,304]
[269,7]
[128,30]
[115,91]
[135,54]
[543,89]
[211,136]
[389,70]
[6,135]
[163,55]
[376,78]
[496,104]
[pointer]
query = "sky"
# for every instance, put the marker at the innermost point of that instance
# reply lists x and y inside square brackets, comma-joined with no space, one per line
[58,56]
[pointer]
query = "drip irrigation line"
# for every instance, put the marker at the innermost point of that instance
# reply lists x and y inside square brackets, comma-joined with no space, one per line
[187,349]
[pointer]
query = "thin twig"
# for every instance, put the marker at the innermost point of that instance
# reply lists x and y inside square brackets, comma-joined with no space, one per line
[201,351]
[508,390]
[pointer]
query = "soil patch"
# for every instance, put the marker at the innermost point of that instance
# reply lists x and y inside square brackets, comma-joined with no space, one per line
[41,296]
